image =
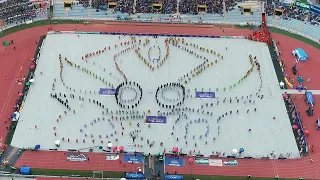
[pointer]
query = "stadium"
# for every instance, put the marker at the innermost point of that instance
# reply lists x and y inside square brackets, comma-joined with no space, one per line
[159,89]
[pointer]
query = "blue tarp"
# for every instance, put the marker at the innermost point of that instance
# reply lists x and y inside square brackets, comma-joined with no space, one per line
[25,170]
[300,54]
[315,9]
[37,147]
[135,176]
[171,176]
[13,115]
[309,98]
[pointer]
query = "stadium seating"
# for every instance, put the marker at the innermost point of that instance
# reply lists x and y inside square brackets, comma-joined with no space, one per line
[19,11]
[146,6]
[126,6]
[293,12]
[294,19]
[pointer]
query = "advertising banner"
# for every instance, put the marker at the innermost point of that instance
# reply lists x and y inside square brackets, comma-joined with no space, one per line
[215,162]
[201,161]
[156,119]
[174,161]
[77,157]
[67,32]
[172,176]
[131,158]
[303,5]
[112,157]
[315,9]
[107,91]
[238,37]
[205,95]
[230,163]
[93,32]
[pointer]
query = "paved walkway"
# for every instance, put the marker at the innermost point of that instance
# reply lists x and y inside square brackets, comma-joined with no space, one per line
[294,91]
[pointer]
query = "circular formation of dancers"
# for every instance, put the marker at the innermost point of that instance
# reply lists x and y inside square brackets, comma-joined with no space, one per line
[126,87]
[167,102]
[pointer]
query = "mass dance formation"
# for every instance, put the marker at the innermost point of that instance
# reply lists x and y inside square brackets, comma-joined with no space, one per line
[178,102]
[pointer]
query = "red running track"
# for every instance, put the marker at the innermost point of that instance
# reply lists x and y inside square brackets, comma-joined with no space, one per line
[307,69]
[57,160]
[309,122]
[257,168]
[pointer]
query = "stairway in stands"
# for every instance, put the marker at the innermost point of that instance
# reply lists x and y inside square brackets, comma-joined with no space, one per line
[134,6]
[178,2]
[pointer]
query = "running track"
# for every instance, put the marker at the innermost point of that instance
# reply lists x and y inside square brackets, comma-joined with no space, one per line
[58,160]
[15,64]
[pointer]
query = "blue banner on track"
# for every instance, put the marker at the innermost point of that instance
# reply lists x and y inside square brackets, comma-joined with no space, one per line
[131,158]
[174,161]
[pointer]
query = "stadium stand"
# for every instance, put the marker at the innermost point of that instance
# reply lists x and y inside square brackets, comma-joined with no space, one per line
[143,6]
[126,6]
[293,12]
[292,18]
[19,11]
[170,6]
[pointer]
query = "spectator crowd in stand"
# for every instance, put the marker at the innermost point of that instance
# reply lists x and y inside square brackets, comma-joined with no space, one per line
[18,11]
[126,6]
[145,6]
[188,7]
[293,12]
[169,6]
[214,7]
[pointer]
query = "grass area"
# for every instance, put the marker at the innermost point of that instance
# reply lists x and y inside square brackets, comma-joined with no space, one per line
[75,173]
[10,133]
[202,177]
[295,36]
[58,172]
[36,24]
